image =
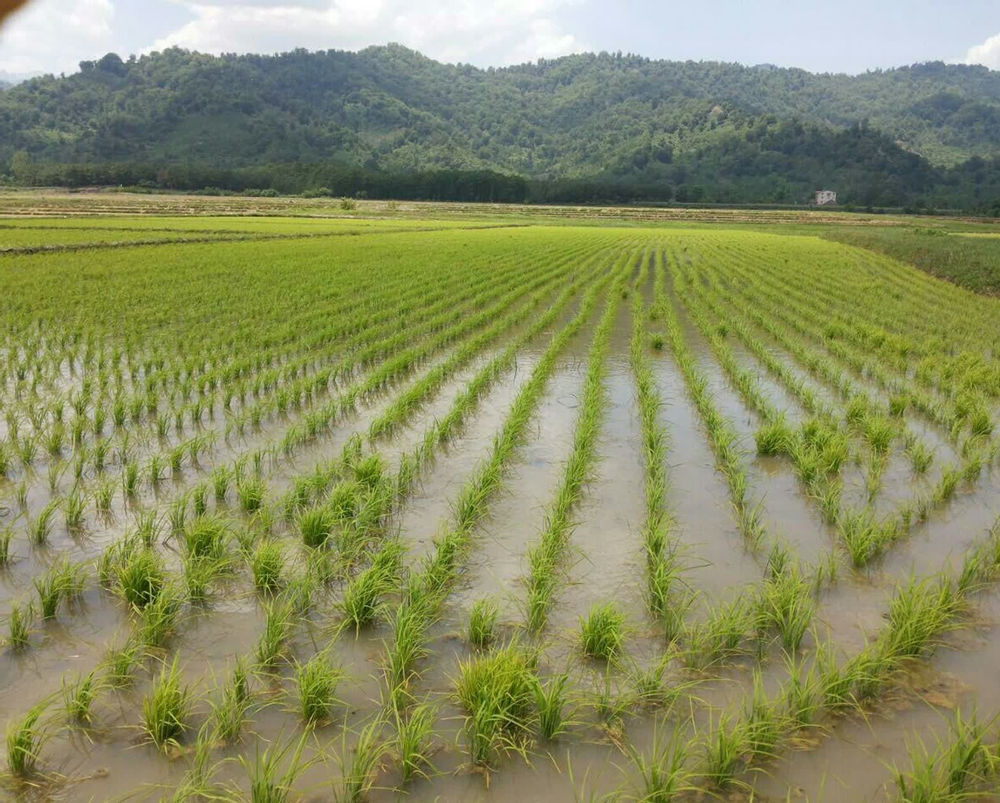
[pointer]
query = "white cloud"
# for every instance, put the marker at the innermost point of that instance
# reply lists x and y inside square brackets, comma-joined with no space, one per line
[480,32]
[55,35]
[987,54]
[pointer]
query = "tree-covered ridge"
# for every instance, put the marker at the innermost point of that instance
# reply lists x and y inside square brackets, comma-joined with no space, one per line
[670,130]
[391,107]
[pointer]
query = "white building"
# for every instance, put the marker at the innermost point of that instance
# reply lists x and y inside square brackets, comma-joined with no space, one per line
[825,197]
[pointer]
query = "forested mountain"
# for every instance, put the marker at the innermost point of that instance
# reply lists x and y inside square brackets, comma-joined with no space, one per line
[675,130]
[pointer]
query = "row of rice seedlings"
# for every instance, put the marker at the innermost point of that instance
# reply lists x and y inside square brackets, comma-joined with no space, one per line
[791,312]
[722,437]
[939,368]
[873,426]
[205,540]
[362,338]
[298,434]
[879,427]
[850,297]
[955,769]
[428,587]
[818,450]
[545,556]
[919,613]
[214,382]
[250,492]
[865,538]
[666,598]
[404,404]
[132,478]
[273,641]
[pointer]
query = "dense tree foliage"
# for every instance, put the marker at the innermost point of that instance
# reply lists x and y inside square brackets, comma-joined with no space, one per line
[387,121]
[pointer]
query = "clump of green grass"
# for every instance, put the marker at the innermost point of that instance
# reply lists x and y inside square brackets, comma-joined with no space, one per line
[551,702]
[268,564]
[166,707]
[665,773]
[773,438]
[230,714]
[316,526]
[40,529]
[414,735]
[19,624]
[497,693]
[786,604]
[25,737]
[159,617]
[251,492]
[122,662]
[317,680]
[360,770]
[602,633]
[6,536]
[361,603]
[141,578]
[482,623]
[207,537]
[61,582]
[955,771]
[79,698]
[269,782]
[273,642]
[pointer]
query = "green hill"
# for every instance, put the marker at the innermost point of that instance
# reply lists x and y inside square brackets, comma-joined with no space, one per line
[695,130]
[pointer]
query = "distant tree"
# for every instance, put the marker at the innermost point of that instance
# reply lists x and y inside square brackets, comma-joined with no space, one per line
[23,168]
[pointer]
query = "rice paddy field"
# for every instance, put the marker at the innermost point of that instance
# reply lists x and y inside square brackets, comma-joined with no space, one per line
[471,508]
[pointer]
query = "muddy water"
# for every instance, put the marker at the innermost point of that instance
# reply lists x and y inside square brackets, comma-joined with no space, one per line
[606,552]
[500,560]
[787,512]
[717,561]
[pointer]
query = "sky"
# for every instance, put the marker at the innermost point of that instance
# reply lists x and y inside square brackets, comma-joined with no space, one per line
[844,36]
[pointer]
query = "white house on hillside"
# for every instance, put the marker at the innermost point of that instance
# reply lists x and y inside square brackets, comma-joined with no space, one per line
[825,197]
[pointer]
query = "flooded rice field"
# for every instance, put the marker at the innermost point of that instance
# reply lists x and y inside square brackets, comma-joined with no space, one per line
[535,513]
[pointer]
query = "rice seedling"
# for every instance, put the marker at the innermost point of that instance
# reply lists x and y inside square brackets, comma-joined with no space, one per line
[551,702]
[250,491]
[207,537]
[273,641]
[61,582]
[787,605]
[19,623]
[414,741]
[166,707]
[25,736]
[274,771]
[955,770]
[141,578]
[6,536]
[317,680]
[602,633]
[497,692]
[122,662]
[267,564]
[361,603]
[230,714]
[358,772]
[158,620]
[664,774]
[79,698]
[316,526]
[482,623]
[41,528]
